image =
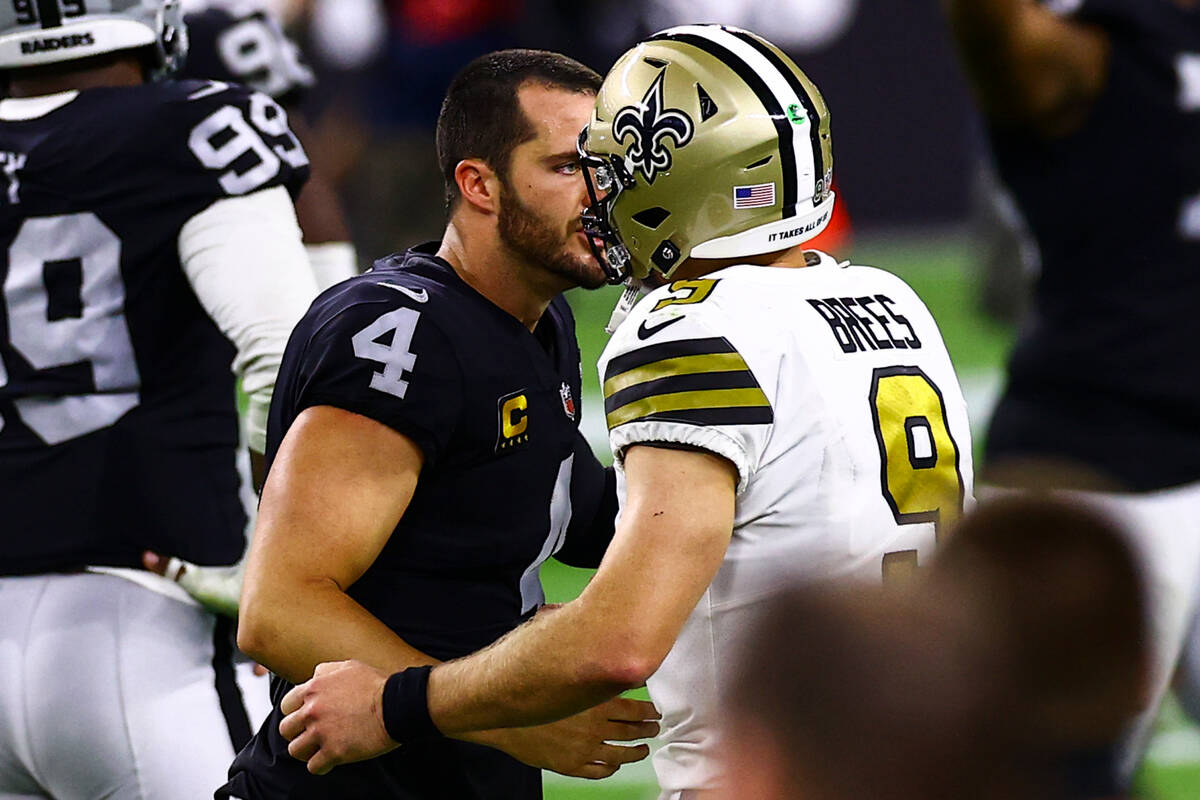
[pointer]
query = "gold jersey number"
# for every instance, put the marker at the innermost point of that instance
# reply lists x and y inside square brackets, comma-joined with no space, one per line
[919,458]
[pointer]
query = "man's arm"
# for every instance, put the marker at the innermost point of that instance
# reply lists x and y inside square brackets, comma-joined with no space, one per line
[1028,66]
[244,260]
[337,489]
[675,527]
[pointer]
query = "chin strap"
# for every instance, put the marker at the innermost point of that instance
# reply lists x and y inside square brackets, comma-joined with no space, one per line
[629,298]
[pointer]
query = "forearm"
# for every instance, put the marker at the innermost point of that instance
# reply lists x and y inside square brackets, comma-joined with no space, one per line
[545,670]
[291,627]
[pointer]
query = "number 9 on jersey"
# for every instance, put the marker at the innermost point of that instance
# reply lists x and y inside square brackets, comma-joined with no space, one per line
[919,458]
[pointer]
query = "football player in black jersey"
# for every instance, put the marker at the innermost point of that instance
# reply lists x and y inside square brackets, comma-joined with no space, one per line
[149,244]
[425,456]
[236,42]
[1094,117]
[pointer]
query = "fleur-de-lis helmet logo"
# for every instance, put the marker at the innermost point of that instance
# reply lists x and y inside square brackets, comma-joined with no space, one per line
[651,125]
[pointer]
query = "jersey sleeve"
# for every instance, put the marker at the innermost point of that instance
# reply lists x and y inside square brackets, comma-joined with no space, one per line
[693,389]
[223,140]
[593,509]
[386,359]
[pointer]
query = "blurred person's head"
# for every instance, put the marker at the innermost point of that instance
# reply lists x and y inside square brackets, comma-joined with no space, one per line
[1058,590]
[506,143]
[854,692]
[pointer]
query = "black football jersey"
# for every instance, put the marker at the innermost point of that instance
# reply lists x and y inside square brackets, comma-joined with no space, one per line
[1104,371]
[250,49]
[118,419]
[507,479]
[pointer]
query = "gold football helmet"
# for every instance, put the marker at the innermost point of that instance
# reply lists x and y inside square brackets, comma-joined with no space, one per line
[706,141]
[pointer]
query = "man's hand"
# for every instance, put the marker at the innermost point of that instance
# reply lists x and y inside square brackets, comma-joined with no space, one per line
[215,588]
[579,746]
[336,717]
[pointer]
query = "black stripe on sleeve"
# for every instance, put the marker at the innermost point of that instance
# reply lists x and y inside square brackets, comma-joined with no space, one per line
[233,708]
[742,379]
[810,108]
[752,415]
[49,14]
[783,128]
[659,352]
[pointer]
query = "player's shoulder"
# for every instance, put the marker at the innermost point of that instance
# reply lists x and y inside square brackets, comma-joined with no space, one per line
[680,345]
[410,281]
[231,139]
[245,46]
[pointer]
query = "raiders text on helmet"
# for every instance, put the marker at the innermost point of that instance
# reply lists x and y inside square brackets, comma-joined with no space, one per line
[34,32]
[710,143]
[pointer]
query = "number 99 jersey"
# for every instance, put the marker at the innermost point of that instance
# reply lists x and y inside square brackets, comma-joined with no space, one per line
[118,421]
[830,390]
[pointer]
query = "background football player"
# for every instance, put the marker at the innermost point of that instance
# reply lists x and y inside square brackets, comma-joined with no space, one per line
[149,244]
[776,417]
[236,41]
[1096,399]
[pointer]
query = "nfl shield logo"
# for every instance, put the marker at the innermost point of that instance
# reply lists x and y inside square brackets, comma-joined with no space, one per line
[568,401]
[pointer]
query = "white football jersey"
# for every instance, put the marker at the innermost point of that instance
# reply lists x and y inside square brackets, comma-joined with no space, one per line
[831,391]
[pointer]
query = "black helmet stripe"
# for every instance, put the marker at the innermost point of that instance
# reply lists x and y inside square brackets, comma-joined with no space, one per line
[810,108]
[787,153]
[49,14]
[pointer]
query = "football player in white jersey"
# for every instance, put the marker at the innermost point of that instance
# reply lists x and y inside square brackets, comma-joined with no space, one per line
[775,416]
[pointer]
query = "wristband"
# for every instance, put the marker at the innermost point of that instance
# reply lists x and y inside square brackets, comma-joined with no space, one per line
[406,706]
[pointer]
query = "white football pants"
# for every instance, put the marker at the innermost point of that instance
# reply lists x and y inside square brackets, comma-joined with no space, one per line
[1164,531]
[110,690]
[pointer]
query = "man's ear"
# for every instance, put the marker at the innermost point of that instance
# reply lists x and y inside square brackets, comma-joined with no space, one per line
[478,184]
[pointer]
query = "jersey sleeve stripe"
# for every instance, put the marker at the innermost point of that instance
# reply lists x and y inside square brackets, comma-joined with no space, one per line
[708,399]
[661,352]
[683,365]
[675,382]
[711,417]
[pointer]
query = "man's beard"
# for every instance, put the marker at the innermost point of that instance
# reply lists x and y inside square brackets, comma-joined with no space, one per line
[540,244]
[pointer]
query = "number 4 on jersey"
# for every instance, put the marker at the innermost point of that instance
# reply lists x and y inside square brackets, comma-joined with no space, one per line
[395,357]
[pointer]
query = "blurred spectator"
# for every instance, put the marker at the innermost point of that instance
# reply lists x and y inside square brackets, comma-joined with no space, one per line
[1094,120]
[1054,589]
[845,694]
[389,63]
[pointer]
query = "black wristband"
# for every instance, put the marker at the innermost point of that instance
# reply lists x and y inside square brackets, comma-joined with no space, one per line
[406,706]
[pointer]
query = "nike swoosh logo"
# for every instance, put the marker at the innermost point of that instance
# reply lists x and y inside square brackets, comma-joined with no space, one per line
[646,331]
[420,295]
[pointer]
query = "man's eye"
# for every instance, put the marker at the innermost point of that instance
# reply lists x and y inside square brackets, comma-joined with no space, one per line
[569,168]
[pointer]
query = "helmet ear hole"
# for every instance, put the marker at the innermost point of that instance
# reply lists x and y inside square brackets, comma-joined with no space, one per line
[762,162]
[652,217]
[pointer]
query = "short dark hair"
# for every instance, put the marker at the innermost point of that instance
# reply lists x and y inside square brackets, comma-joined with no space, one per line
[1060,585]
[481,116]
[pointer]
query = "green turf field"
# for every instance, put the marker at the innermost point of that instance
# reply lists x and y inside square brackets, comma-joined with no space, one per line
[938,267]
